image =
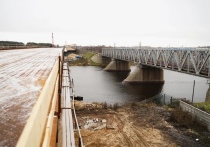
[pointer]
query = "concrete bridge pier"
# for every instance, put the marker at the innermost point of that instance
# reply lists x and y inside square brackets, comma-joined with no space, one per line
[145,74]
[118,65]
[104,61]
[208,94]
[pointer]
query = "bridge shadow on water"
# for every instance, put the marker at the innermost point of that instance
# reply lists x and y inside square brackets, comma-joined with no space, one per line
[145,90]
[139,91]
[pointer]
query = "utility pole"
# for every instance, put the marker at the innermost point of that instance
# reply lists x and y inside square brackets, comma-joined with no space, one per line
[193,91]
[52,40]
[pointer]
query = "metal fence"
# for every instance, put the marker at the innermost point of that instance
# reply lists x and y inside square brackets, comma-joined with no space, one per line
[162,99]
[202,117]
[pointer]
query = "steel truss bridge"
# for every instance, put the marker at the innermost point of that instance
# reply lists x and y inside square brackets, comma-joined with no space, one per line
[195,61]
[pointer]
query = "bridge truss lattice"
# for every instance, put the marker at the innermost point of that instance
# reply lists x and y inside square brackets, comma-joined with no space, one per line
[194,61]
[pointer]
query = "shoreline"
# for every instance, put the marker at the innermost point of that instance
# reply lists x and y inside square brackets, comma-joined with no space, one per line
[99,122]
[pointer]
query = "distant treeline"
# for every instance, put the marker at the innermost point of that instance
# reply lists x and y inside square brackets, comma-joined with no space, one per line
[11,43]
[7,44]
[204,46]
[39,44]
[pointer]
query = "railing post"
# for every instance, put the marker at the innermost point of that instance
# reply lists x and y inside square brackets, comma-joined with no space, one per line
[164,99]
[60,85]
[80,142]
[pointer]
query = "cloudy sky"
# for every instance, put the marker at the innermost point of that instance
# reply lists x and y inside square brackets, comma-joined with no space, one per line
[105,22]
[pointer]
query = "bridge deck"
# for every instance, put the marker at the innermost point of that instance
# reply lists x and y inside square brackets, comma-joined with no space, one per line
[22,76]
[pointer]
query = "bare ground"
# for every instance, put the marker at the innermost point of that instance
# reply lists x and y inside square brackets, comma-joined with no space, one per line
[133,126]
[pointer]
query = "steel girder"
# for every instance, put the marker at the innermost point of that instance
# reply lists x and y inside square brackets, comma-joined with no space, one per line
[194,61]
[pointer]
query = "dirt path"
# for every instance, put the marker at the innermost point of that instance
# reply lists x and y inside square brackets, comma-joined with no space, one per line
[139,126]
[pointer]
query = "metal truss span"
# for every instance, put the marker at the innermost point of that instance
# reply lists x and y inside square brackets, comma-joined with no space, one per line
[193,61]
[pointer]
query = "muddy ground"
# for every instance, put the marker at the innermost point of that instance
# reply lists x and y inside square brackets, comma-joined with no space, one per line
[134,125]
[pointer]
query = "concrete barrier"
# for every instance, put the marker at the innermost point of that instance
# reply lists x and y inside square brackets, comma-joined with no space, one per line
[38,129]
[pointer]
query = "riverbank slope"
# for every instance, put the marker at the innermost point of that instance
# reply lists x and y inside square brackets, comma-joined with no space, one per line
[134,124]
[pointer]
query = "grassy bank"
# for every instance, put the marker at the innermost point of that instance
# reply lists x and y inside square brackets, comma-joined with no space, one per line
[205,106]
[85,60]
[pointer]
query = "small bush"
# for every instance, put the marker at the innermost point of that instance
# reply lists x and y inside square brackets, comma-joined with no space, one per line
[110,106]
[105,106]
[205,106]
[184,118]
[115,106]
[133,104]
[126,104]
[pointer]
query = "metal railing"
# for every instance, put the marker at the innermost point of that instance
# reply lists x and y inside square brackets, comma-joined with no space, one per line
[202,117]
[194,61]
[162,99]
[74,112]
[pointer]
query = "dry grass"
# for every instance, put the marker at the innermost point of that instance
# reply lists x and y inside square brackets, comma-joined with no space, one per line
[85,60]
[183,118]
[135,124]
[205,106]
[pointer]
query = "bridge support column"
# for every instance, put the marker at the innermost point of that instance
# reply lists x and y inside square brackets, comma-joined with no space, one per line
[145,74]
[104,61]
[208,94]
[118,65]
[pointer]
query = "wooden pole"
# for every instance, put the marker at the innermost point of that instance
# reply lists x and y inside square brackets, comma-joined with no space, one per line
[193,91]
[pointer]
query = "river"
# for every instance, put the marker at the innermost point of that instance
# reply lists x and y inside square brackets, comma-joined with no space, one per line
[96,85]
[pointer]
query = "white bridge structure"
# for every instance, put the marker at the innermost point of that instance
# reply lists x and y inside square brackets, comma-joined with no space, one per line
[195,61]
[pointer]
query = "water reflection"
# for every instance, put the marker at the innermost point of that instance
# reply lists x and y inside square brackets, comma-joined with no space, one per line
[94,84]
[145,90]
[142,91]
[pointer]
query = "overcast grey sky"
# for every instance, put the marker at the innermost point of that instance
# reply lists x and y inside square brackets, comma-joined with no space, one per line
[98,22]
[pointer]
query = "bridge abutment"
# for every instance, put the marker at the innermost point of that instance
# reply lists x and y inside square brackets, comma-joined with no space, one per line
[145,74]
[117,65]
